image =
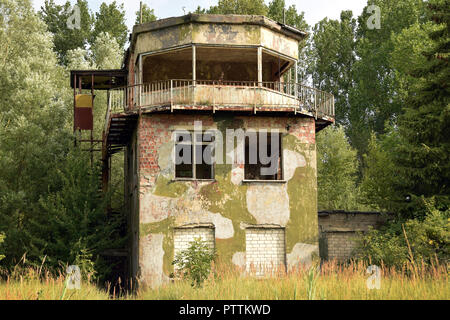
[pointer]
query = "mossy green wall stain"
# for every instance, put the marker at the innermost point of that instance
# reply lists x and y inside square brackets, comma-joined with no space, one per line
[166,187]
[302,191]
[230,201]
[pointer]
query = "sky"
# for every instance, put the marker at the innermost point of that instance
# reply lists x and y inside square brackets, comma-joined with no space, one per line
[315,10]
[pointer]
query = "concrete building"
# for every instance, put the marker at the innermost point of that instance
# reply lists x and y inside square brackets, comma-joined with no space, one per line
[229,74]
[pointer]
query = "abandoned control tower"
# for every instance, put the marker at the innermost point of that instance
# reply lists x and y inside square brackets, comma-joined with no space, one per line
[230,74]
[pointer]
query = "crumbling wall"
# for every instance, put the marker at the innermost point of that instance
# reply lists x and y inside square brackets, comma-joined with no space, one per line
[228,202]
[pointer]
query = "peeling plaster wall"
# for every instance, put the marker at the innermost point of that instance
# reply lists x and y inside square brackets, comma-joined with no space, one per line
[228,202]
[216,34]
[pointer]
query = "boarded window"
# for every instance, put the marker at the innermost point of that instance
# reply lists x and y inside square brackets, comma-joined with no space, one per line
[265,250]
[263,157]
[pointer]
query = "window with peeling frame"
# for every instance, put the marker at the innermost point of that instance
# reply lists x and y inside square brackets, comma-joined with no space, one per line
[270,143]
[194,155]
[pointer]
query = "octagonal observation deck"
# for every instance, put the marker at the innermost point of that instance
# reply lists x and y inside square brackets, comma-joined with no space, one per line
[216,63]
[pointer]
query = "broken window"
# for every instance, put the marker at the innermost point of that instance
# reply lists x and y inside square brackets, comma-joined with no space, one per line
[263,156]
[194,156]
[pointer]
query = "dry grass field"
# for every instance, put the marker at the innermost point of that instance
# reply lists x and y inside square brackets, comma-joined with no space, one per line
[332,282]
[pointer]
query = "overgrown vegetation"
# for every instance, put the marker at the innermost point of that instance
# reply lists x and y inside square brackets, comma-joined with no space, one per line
[391,142]
[195,262]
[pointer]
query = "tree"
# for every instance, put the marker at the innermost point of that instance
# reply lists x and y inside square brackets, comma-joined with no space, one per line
[111,19]
[337,167]
[423,156]
[34,120]
[255,7]
[333,56]
[148,15]
[379,173]
[106,53]
[373,98]
[64,38]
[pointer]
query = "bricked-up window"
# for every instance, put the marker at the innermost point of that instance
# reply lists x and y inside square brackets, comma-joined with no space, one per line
[265,167]
[265,250]
[184,236]
[194,156]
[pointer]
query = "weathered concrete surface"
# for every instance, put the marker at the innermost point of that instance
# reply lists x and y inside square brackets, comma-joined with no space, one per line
[151,264]
[303,254]
[268,203]
[228,202]
[239,259]
[218,30]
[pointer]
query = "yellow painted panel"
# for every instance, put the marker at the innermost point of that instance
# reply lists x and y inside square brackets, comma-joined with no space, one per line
[83,101]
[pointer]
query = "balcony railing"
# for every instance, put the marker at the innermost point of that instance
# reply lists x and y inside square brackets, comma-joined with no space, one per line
[222,94]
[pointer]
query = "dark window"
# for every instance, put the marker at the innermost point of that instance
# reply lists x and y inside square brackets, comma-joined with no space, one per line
[267,167]
[194,156]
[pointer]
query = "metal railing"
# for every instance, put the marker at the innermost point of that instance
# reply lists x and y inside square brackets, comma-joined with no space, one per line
[190,93]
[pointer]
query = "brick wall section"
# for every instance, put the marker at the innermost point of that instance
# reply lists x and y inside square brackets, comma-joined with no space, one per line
[338,230]
[184,236]
[340,245]
[265,250]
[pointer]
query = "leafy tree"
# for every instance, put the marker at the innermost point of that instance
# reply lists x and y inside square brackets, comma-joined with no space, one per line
[34,120]
[111,19]
[333,56]
[373,98]
[337,167]
[255,7]
[148,15]
[65,39]
[423,155]
[106,53]
[379,173]
[73,225]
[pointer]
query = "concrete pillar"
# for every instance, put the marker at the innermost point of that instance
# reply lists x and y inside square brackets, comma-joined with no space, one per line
[260,76]
[194,64]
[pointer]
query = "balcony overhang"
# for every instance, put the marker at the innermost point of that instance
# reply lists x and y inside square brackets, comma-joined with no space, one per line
[186,96]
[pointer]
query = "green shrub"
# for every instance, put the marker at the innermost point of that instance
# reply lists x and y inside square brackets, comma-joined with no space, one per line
[194,263]
[413,240]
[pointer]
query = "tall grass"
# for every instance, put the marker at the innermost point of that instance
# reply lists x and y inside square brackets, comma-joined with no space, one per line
[331,281]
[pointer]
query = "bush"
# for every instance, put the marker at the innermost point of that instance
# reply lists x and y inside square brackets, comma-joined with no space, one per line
[413,240]
[195,262]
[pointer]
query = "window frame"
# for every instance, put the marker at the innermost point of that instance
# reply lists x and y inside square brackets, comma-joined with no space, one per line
[194,143]
[281,169]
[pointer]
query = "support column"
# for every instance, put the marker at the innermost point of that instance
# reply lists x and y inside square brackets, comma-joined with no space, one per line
[260,76]
[141,80]
[296,78]
[194,64]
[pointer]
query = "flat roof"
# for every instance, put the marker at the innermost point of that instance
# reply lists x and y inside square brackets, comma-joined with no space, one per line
[218,18]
